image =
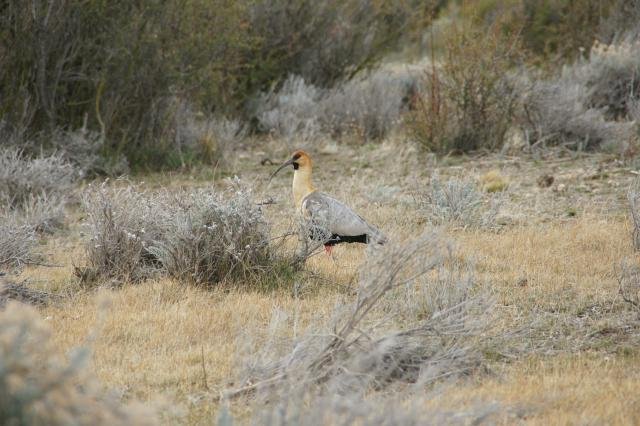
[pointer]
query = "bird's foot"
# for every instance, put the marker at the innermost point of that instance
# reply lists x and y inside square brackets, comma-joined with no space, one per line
[328,249]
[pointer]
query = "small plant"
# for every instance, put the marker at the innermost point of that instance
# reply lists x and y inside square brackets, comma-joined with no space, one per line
[457,202]
[34,191]
[612,76]
[493,181]
[86,150]
[201,138]
[21,292]
[292,111]
[370,104]
[36,387]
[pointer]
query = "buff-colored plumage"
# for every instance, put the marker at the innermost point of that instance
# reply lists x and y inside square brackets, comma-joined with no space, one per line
[325,211]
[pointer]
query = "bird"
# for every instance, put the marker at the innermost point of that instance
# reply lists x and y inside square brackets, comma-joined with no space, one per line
[333,222]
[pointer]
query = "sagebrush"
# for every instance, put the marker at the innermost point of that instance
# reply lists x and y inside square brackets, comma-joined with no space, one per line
[200,236]
[373,342]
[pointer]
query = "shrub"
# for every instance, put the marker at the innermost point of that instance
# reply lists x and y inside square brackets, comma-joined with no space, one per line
[469,100]
[17,243]
[120,236]
[550,30]
[633,196]
[210,238]
[629,283]
[324,42]
[34,191]
[611,76]
[86,150]
[38,388]
[557,112]
[114,68]
[194,137]
[21,292]
[370,104]
[360,351]
[292,111]
[201,237]
[457,202]
[22,178]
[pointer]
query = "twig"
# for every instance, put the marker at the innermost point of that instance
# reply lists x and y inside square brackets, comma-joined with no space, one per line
[204,369]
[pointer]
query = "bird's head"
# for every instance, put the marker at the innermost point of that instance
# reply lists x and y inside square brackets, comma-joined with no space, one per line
[300,160]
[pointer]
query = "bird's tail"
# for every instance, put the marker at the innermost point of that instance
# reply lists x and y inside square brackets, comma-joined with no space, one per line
[377,237]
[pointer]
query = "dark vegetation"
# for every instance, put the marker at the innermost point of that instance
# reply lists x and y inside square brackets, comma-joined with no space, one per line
[116,67]
[107,83]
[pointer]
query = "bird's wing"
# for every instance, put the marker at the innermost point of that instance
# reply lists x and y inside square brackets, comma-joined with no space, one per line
[337,217]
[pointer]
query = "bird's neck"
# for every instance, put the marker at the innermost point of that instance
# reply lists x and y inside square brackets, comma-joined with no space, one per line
[302,185]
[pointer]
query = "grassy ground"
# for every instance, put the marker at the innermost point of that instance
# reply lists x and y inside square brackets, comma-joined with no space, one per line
[550,264]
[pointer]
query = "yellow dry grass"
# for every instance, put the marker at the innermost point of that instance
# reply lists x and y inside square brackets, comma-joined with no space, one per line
[162,340]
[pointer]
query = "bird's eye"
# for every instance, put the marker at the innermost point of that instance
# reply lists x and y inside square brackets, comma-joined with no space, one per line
[295,166]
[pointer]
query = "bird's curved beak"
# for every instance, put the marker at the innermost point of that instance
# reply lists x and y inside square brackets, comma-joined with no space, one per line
[285,164]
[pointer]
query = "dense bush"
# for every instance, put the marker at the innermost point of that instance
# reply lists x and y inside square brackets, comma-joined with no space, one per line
[114,68]
[469,99]
[198,237]
[209,239]
[550,30]
[120,236]
[36,387]
[611,76]
[556,112]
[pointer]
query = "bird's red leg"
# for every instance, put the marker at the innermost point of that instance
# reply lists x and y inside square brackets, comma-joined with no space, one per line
[327,249]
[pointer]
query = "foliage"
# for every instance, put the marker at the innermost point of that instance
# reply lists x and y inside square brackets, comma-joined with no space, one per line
[202,238]
[579,107]
[34,191]
[22,178]
[115,68]
[469,100]
[550,30]
[209,238]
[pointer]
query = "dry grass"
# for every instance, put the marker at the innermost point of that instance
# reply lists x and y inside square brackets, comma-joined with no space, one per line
[562,342]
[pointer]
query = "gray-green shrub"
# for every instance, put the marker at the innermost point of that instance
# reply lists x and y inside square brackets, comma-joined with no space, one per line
[199,236]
